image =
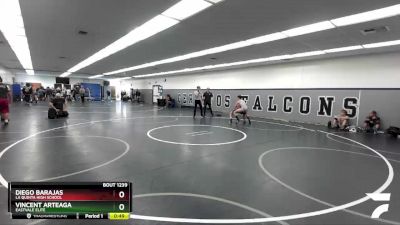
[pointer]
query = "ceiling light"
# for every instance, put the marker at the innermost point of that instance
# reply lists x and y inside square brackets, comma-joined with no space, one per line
[267,38]
[96,76]
[252,61]
[215,1]
[280,57]
[65,74]
[186,8]
[325,25]
[382,44]
[307,54]
[222,48]
[344,49]
[368,16]
[12,27]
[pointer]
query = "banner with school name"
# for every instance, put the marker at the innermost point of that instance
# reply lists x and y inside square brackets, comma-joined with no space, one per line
[315,106]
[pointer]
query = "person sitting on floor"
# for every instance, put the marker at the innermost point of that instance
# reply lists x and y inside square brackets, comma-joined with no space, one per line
[170,101]
[372,122]
[58,107]
[340,121]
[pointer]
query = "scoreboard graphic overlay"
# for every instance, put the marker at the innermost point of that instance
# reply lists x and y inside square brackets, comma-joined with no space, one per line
[70,200]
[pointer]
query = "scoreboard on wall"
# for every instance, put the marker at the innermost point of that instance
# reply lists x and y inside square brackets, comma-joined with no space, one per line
[73,200]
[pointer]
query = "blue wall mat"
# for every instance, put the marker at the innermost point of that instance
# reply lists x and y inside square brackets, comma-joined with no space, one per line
[16,91]
[95,90]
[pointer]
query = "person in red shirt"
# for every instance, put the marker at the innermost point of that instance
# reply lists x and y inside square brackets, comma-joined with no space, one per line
[5,100]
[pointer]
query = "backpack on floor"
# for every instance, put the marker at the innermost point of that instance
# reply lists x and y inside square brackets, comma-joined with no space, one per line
[394,131]
[52,113]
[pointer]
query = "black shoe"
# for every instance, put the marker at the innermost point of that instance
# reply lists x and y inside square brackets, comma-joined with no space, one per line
[230,121]
[5,122]
[249,122]
[238,120]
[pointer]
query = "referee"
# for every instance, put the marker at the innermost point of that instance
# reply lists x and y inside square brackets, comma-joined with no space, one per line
[207,101]
[197,101]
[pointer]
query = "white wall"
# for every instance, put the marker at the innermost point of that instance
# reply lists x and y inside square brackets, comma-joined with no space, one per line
[48,81]
[365,71]
[6,75]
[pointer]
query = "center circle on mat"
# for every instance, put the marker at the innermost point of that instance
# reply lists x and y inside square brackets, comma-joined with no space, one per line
[189,134]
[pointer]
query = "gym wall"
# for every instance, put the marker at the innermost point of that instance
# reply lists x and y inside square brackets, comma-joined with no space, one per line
[6,75]
[363,83]
[307,106]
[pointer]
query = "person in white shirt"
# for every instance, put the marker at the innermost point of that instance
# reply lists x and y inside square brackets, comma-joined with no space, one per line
[240,108]
[68,93]
[197,101]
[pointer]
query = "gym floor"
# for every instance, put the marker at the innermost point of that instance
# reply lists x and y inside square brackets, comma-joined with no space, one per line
[204,168]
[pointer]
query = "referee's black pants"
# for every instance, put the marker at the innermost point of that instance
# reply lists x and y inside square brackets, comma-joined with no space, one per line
[205,108]
[197,102]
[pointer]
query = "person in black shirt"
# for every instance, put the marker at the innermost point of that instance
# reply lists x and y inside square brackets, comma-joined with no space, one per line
[27,92]
[58,103]
[372,122]
[207,101]
[49,93]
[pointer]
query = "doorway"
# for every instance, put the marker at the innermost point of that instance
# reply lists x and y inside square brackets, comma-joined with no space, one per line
[157,92]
